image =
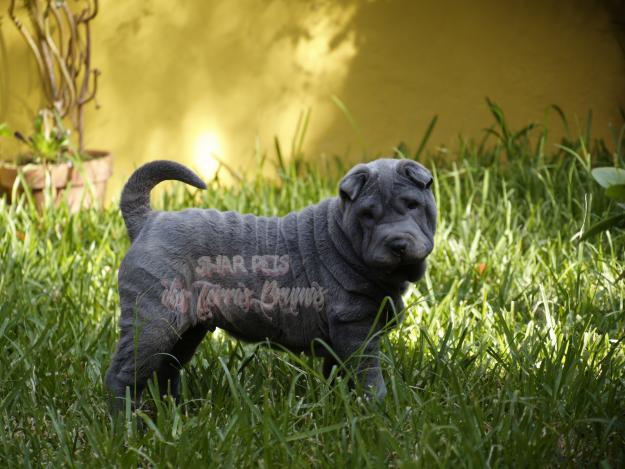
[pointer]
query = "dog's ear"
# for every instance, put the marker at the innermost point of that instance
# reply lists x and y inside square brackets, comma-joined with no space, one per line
[351,185]
[417,174]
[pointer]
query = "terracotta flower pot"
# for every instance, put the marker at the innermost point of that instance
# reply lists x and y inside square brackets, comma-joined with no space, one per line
[64,179]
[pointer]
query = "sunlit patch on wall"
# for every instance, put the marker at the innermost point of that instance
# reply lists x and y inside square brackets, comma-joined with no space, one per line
[207,153]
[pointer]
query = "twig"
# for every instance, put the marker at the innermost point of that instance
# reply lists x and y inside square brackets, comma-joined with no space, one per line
[29,40]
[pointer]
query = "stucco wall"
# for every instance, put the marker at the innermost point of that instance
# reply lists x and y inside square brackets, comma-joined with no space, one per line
[184,79]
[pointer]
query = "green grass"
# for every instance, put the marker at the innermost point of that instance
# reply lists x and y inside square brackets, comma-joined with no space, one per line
[511,352]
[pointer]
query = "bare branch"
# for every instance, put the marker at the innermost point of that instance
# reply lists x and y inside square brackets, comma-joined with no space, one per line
[93,14]
[72,32]
[64,71]
[86,61]
[48,48]
[95,74]
[61,27]
[38,19]
[31,43]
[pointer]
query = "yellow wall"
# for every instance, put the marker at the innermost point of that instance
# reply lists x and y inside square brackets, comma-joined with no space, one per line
[183,79]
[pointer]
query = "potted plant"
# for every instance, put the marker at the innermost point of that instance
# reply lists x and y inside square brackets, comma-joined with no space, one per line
[55,158]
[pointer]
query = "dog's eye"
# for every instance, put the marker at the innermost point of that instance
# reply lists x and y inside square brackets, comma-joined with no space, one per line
[412,204]
[366,214]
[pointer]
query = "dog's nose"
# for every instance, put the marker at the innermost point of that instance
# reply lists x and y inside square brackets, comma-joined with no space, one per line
[398,246]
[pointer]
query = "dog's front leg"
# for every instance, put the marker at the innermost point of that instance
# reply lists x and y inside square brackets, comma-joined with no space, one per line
[353,341]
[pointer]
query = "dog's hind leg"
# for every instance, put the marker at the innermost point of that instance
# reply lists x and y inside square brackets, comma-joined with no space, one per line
[329,363]
[168,372]
[146,343]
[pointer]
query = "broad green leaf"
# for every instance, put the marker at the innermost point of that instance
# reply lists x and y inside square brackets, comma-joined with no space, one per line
[607,176]
[612,222]
[616,192]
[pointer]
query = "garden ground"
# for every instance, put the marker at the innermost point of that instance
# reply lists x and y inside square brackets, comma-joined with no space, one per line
[511,352]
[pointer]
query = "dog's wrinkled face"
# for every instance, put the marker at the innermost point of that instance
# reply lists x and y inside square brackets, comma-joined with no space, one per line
[389,216]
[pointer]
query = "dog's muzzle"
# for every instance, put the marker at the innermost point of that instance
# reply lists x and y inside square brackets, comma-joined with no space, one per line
[406,249]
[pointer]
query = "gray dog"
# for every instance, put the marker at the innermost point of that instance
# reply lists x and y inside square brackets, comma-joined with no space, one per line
[309,280]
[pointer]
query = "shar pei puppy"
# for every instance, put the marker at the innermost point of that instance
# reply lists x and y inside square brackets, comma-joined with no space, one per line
[312,281]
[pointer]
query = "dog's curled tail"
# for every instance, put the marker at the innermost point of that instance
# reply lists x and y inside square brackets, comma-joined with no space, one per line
[135,200]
